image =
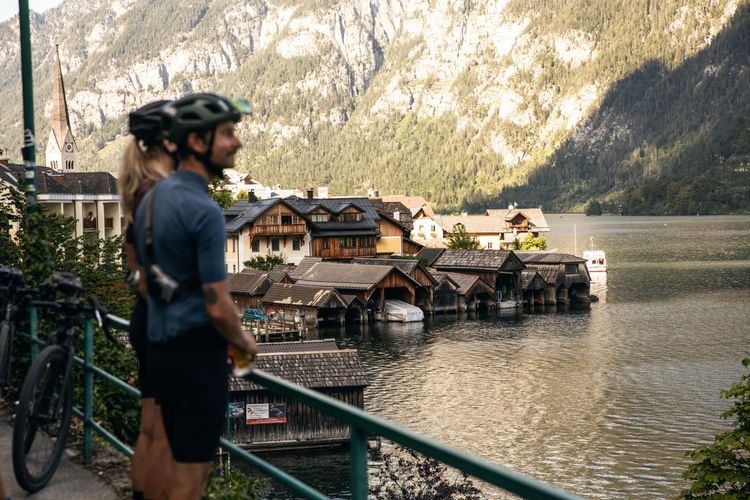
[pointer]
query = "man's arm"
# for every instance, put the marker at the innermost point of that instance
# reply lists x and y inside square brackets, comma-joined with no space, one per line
[225,317]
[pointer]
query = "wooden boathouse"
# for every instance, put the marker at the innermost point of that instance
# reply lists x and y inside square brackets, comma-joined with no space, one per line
[247,289]
[372,284]
[416,271]
[314,305]
[566,276]
[501,268]
[262,420]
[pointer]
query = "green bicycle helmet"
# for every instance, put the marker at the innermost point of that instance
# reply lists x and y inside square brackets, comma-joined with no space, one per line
[197,112]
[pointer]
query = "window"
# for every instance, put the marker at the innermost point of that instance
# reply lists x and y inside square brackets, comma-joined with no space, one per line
[271,220]
[367,242]
[234,268]
[350,217]
[432,228]
[275,247]
[348,242]
[571,268]
[319,217]
[325,244]
[289,219]
[256,246]
[296,243]
[502,236]
[489,245]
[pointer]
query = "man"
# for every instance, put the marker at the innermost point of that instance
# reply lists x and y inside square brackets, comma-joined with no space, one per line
[180,236]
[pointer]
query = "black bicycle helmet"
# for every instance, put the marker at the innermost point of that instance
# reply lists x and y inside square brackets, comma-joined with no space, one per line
[146,123]
[197,112]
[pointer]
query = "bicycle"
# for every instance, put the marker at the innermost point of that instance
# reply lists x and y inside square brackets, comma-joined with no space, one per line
[12,295]
[45,405]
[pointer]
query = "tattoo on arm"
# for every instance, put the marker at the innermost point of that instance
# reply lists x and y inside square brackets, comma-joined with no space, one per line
[210,294]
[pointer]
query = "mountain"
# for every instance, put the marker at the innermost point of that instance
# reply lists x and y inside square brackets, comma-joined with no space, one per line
[642,105]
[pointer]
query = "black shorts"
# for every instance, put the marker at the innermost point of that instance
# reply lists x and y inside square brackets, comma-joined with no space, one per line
[138,335]
[190,376]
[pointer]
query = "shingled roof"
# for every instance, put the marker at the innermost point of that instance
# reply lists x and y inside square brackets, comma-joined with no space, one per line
[276,276]
[466,283]
[311,364]
[535,216]
[408,266]
[303,296]
[430,254]
[348,276]
[541,257]
[532,280]
[248,284]
[391,208]
[477,260]
[48,181]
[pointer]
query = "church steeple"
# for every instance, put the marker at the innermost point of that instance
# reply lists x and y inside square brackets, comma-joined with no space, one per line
[62,152]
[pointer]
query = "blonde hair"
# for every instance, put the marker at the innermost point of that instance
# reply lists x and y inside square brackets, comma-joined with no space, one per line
[138,165]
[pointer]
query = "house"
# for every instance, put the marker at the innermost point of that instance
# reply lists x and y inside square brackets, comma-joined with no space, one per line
[520,222]
[501,268]
[90,198]
[262,420]
[312,305]
[331,229]
[372,284]
[247,289]
[416,271]
[565,275]
[263,227]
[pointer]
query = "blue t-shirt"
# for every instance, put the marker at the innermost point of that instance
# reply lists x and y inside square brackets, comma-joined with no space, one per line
[188,243]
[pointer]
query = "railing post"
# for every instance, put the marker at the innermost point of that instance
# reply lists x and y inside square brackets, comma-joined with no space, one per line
[33,330]
[358,450]
[88,389]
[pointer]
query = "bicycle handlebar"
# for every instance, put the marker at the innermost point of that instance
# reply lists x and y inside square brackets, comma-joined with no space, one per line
[95,309]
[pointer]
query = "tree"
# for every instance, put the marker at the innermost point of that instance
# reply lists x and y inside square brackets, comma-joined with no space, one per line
[242,195]
[593,208]
[530,243]
[265,263]
[403,474]
[458,238]
[722,468]
[218,191]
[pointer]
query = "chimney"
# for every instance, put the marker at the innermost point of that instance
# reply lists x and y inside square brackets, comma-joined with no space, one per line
[309,193]
[397,215]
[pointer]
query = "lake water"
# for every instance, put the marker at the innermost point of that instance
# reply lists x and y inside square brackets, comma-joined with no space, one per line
[603,403]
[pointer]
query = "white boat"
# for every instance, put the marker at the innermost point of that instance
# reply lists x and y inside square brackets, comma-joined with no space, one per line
[596,261]
[397,310]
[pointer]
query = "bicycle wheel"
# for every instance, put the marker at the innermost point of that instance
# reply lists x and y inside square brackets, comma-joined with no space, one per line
[43,419]
[6,334]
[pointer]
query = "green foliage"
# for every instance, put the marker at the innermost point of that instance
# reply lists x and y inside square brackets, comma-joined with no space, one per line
[220,194]
[230,484]
[403,474]
[44,245]
[242,195]
[459,238]
[265,262]
[722,468]
[530,243]
[593,207]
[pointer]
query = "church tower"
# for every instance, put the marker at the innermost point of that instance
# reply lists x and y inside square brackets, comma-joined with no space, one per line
[62,152]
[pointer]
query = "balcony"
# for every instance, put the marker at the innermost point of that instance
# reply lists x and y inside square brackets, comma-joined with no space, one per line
[278,229]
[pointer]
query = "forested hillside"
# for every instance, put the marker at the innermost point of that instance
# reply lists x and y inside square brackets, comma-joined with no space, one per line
[642,105]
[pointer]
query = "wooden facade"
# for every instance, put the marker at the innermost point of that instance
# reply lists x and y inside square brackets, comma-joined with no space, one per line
[316,365]
[343,247]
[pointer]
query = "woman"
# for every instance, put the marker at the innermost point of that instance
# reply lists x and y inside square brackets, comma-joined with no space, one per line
[144,163]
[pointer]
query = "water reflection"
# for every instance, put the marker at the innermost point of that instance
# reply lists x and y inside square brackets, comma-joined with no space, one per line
[603,402]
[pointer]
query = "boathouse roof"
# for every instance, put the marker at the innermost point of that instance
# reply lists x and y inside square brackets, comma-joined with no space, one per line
[532,280]
[313,364]
[430,254]
[348,276]
[477,260]
[408,266]
[277,276]
[542,257]
[305,264]
[248,283]
[467,283]
[303,296]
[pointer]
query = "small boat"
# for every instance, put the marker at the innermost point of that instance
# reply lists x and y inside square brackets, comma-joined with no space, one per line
[596,260]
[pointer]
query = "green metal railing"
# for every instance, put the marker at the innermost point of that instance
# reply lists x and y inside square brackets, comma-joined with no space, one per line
[362,425]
